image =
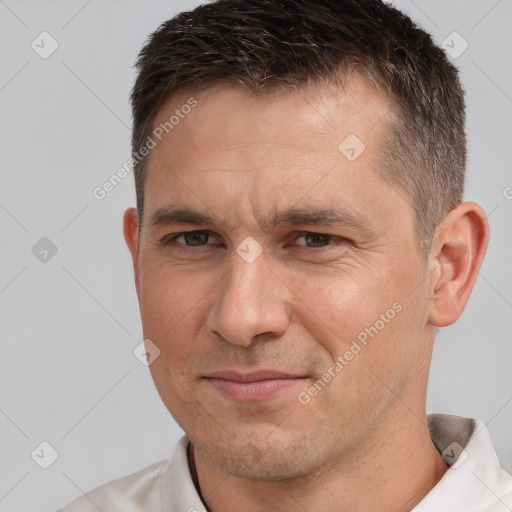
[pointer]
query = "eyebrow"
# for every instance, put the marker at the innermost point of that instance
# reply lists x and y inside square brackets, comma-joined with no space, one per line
[175,215]
[313,216]
[171,215]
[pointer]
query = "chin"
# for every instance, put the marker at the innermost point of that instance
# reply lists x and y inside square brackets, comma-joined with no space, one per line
[274,457]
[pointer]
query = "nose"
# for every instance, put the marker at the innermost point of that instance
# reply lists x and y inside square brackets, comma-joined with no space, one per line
[252,301]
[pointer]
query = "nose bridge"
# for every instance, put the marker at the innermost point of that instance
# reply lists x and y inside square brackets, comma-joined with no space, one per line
[251,301]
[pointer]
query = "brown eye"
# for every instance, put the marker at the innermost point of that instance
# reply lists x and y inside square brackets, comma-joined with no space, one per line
[194,238]
[314,240]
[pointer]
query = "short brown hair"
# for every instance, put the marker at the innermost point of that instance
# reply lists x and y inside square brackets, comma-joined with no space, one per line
[261,45]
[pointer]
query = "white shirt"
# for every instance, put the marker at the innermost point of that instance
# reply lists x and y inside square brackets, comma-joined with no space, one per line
[475,481]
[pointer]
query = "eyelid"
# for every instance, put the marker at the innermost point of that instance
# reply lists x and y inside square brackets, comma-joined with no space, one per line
[215,238]
[167,239]
[332,238]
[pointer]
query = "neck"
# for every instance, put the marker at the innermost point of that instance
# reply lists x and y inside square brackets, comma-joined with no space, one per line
[392,472]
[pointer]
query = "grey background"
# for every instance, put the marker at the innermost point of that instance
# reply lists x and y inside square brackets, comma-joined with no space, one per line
[69,325]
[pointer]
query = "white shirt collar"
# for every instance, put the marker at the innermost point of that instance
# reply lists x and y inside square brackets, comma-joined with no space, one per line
[474,483]
[475,480]
[178,490]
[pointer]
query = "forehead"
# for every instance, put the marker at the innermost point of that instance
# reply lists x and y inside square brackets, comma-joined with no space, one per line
[227,149]
[240,117]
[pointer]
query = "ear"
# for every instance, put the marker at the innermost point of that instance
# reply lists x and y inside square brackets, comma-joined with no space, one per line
[131,236]
[456,257]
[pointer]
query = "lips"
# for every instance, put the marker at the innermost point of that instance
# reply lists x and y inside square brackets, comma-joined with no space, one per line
[253,376]
[258,385]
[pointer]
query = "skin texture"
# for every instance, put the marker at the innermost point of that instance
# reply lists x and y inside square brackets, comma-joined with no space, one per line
[361,442]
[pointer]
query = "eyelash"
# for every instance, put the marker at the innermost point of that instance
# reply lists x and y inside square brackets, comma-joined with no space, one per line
[334,240]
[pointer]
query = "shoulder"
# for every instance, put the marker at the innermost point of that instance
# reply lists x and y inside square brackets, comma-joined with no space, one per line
[475,481]
[133,493]
[164,486]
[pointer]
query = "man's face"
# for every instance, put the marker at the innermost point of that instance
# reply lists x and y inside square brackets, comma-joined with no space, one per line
[248,340]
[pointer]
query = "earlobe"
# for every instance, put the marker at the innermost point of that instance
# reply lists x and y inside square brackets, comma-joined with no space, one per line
[131,236]
[457,254]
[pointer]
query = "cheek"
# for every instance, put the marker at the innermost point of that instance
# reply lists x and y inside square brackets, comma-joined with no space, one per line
[170,297]
[174,303]
[334,307]
[369,319]
[371,363]
[381,355]
[178,394]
